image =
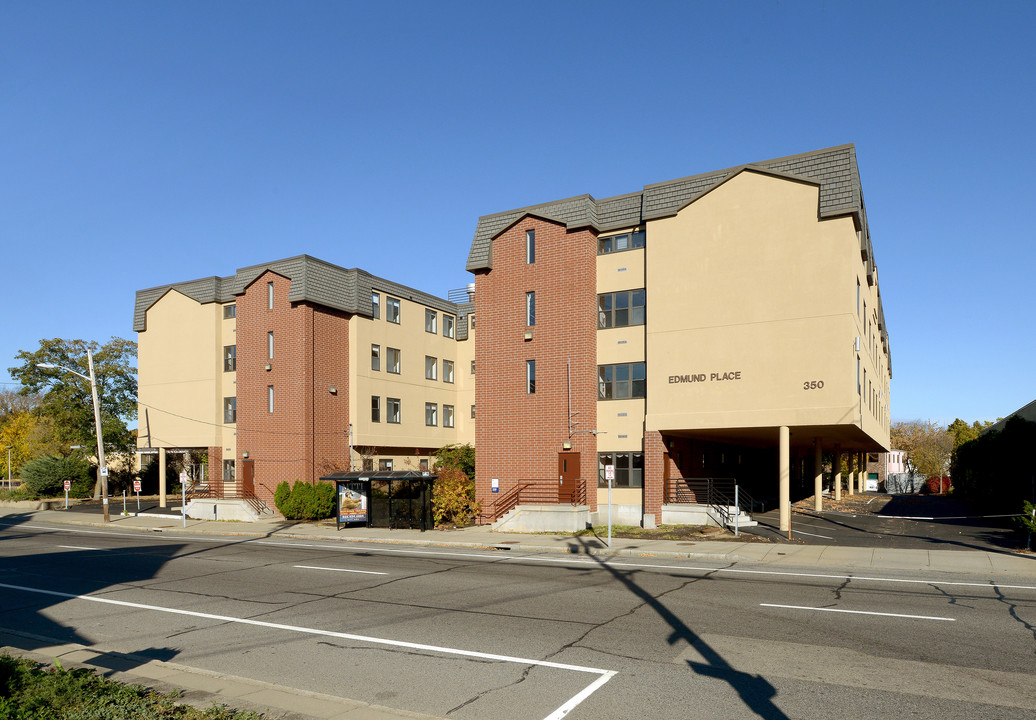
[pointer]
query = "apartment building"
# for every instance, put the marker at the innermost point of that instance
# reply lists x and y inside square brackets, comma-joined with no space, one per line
[723,325]
[290,369]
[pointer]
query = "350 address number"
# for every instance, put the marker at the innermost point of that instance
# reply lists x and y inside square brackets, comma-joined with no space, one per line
[813,385]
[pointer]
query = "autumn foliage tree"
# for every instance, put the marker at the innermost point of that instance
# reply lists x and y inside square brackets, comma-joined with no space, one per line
[928,446]
[453,497]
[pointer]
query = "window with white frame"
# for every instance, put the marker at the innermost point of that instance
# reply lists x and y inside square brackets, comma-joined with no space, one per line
[269,398]
[269,345]
[530,247]
[430,367]
[530,377]
[530,308]
[269,296]
[430,317]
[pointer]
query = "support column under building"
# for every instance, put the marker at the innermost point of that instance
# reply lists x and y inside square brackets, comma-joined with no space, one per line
[784,476]
[818,475]
[852,474]
[161,477]
[863,472]
[836,472]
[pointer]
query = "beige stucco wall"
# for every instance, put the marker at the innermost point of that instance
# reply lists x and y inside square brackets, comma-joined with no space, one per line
[410,386]
[180,374]
[747,280]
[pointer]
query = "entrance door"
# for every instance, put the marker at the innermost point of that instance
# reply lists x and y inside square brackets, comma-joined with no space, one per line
[568,474]
[248,478]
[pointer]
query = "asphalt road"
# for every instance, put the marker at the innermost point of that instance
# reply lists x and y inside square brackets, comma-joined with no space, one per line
[471,634]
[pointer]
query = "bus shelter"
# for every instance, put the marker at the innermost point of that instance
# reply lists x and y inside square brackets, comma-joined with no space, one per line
[392,499]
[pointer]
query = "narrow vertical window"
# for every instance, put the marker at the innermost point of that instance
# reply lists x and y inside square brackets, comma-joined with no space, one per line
[392,311]
[472,412]
[375,305]
[430,366]
[530,246]
[269,398]
[431,412]
[447,416]
[530,308]
[858,297]
[229,358]
[375,357]
[530,376]
[430,317]
[269,345]
[375,408]
[447,326]
[269,296]
[229,409]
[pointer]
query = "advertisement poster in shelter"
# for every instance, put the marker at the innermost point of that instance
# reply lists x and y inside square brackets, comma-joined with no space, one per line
[352,502]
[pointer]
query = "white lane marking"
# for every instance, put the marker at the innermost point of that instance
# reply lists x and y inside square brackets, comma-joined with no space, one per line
[947,517]
[826,537]
[80,547]
[530,558]
[606,675]
[314,567]
[858,612]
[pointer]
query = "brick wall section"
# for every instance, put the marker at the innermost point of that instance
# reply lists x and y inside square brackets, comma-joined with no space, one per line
[215,469]
[311,353]
[656,457]
[519,436]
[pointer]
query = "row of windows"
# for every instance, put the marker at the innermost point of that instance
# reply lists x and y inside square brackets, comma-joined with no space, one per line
[628,466]
[605,245]
[393,364]
[621,309]
[393,412]
[431,317]
[614,382]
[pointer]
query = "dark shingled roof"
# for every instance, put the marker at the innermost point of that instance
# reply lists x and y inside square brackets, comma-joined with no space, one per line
[312,280]
[834,170]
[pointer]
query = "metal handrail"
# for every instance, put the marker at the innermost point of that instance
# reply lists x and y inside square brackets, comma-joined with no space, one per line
[720,494]
[536,492]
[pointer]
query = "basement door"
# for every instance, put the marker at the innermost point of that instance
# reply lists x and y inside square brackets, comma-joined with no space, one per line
[568,475]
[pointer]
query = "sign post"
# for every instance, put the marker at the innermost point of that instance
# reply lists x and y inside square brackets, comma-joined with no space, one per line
[136,489]
[609,475]
[183,497]
[68,486]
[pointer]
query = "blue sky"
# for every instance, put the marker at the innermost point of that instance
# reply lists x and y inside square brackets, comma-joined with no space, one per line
[143,143]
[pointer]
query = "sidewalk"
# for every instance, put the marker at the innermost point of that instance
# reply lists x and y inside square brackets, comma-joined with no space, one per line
[783,554]
[203,688]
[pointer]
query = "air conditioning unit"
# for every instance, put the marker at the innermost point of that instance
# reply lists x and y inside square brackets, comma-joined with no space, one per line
[856,344]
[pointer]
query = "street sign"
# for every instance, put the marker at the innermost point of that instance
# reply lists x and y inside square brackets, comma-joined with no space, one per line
[68,485]
[183,477]
[609,472]
[104,472]
[136,486]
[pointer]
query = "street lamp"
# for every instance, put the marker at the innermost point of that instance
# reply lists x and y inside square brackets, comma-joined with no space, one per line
[102,468]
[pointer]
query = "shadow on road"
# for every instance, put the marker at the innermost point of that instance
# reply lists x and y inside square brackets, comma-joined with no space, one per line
[755,691]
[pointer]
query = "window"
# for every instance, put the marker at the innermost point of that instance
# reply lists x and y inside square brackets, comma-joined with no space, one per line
[530,308]
[618,243]
[530,247]
[431,414]
[375,357]
[385,465]
[269,296]
[629,468]
[430,317]
[392,360]
[229,358]
[229,469]
[447,416]
[230,409]
[229,312]
[618,382]
[392,309]
[472,367]
[857,296]
[430,366]
[422,464]
[448,323]
[858,390]
[375,408]
[472,412]
[472,320]
[621,309]
[392,410]
[269,398]
[368,464]
[269,345]
[375,305]
[530,376]
[447,371]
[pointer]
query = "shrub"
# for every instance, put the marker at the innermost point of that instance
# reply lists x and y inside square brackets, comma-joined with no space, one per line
[453,497]
[1027,521]
[304,501]
[937,485]
[45,477]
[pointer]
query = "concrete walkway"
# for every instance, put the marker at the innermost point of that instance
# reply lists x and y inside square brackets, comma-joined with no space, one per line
[203,688]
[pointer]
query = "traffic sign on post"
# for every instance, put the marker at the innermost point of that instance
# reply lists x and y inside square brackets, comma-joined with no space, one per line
[136,486]
[68,485]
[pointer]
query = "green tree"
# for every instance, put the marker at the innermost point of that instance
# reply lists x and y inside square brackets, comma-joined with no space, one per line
[66,398]
[45,477]
[461,457]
